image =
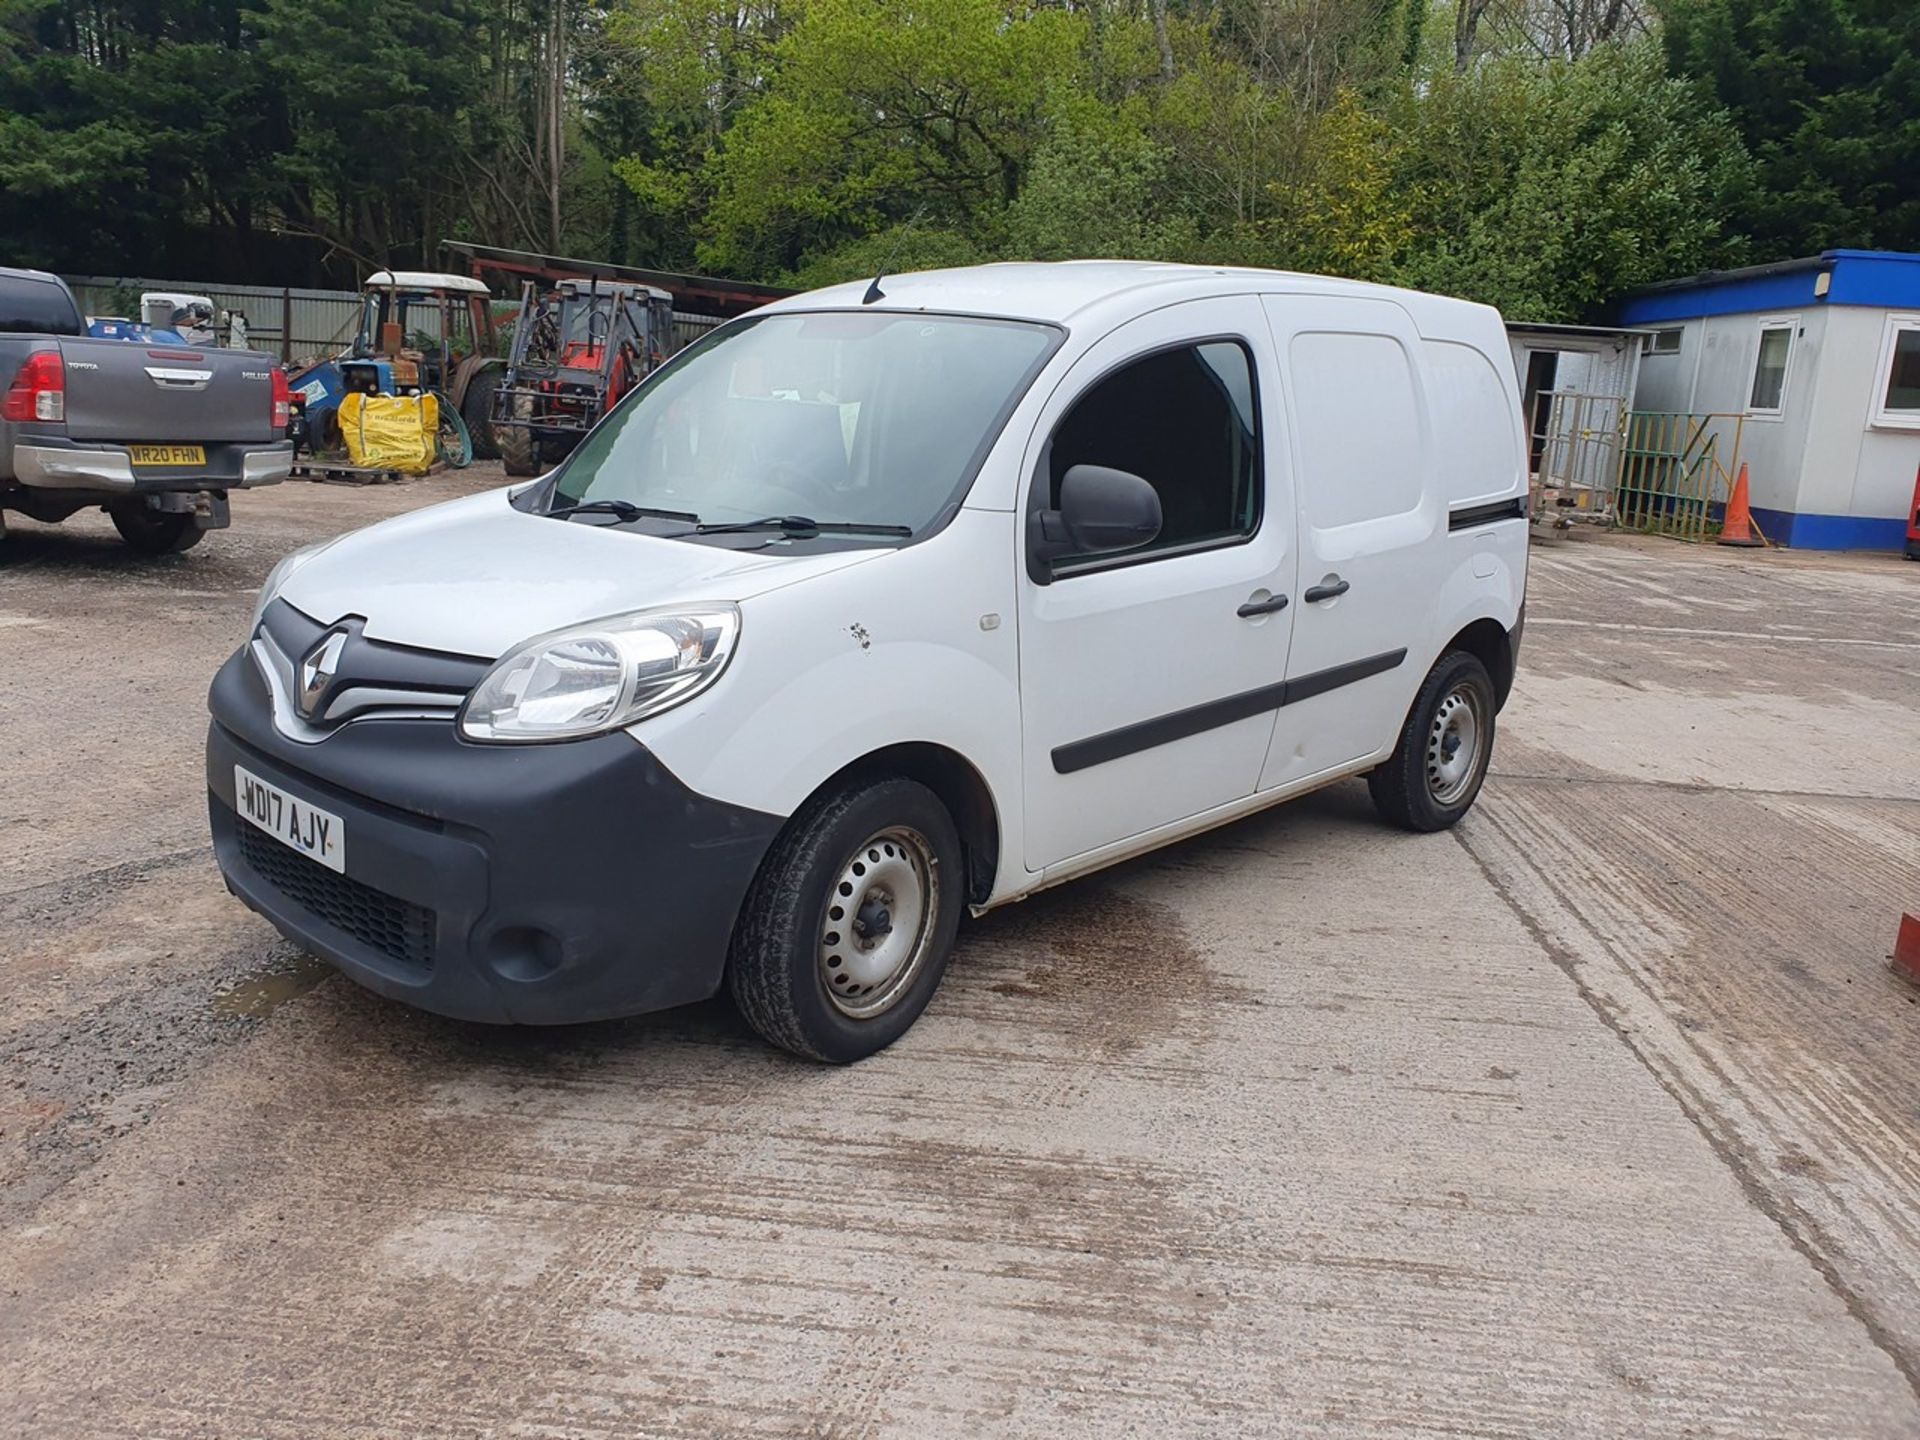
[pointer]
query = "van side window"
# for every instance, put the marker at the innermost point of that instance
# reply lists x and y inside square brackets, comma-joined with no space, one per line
[1184,421]
[1359,427]
[1471,409]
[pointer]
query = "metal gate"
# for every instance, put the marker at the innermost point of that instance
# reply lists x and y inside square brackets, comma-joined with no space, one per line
[1579,452]
[1676,472]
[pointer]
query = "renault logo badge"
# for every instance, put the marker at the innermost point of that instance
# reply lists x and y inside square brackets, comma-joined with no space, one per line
[317,670]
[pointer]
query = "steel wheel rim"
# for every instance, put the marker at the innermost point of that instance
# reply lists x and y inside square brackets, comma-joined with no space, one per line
[876,923]
[1454,743]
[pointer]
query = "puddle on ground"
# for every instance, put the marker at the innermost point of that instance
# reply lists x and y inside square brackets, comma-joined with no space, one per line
[263,991]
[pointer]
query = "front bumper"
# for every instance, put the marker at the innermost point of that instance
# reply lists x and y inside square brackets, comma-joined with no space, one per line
[539,884]
[47,463]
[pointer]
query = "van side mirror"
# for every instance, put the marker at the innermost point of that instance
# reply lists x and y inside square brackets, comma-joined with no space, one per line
[1101,510]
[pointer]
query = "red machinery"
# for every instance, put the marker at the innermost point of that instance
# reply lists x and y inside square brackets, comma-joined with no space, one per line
[1913,521]
[578,347]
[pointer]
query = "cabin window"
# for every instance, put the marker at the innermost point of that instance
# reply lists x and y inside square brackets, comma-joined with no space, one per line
[1769,393]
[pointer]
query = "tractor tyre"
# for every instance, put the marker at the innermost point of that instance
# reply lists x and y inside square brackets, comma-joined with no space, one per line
[477,411]
[518,450]
[556,448]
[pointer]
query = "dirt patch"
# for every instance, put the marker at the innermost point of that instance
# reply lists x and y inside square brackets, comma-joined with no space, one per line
[1096,962]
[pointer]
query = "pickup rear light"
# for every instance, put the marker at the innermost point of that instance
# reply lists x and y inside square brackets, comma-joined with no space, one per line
[39,389]
[282,398]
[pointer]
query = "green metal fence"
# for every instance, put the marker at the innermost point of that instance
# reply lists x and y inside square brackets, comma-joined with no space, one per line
[1676,472]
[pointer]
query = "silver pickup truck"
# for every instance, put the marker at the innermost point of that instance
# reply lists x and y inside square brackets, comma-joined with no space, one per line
[155,435]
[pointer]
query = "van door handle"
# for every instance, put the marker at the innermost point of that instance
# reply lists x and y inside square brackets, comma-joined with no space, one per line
[1262,607]
[1326,592]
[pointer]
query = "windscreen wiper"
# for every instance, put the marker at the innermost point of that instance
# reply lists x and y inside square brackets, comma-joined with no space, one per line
[801,527]
[623,510]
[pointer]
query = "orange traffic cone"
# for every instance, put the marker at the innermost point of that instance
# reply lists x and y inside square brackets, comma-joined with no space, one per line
[1906,948]
[1738,528]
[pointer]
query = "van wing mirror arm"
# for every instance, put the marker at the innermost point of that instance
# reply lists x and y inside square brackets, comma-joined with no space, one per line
[1050,537]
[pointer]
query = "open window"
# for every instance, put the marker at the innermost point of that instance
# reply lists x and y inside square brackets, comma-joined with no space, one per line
[1896,400]
[1768,396]
[1184,420]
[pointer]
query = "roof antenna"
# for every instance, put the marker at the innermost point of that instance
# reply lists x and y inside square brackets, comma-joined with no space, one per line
[874,292]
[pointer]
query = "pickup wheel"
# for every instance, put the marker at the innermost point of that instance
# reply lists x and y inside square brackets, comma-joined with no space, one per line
[849,925]
[1435,772]
[515,442]
[155,532]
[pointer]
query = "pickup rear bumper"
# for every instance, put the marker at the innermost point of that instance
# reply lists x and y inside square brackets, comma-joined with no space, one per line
[49,462]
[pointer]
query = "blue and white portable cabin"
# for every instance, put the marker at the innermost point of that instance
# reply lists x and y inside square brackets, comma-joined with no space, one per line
[1821,356]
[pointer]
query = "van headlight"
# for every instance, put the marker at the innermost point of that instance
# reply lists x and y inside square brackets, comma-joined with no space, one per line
[603,675]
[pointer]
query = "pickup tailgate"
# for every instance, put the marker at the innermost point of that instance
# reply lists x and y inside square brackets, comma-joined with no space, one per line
[131,394]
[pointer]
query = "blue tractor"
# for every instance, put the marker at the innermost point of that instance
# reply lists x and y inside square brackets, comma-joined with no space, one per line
[418,332]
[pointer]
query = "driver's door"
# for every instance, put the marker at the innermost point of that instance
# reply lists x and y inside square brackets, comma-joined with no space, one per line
[1147,695]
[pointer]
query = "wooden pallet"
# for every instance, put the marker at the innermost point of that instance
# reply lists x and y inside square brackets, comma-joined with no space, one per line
[344,472]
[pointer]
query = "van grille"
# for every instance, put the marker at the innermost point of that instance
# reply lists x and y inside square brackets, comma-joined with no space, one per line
[401,931]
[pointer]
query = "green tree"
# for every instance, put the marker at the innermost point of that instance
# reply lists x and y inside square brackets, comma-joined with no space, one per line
[1550,190]
[373,95]
[875,110]
[1098,190]
[1827,96]
[1342,213]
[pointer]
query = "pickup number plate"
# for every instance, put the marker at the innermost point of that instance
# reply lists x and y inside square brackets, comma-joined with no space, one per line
[167,454]
[317,834]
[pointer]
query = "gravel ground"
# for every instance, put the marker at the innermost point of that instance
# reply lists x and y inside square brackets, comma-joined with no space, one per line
[1596,1116]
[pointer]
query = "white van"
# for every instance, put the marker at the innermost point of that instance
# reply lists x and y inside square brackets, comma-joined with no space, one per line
[881,604]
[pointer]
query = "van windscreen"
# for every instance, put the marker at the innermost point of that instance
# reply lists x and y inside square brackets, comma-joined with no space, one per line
[867,418]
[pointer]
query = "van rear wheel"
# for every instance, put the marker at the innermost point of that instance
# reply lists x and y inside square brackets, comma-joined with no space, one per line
[849,925]
[1435,772]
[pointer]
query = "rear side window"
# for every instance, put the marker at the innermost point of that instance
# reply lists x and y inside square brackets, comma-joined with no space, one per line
[1184,421]
[34,307]
[1476,441]
[1359,427]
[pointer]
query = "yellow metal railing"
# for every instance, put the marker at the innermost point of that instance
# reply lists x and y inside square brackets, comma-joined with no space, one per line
[1676,472]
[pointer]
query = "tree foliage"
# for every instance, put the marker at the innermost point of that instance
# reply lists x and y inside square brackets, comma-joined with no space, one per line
[1549,190]
[1539,154]
[1826,93]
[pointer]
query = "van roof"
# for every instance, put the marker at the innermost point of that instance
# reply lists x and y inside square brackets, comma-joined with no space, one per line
[1058,290]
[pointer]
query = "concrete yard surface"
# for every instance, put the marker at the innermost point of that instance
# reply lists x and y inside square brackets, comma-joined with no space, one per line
[1597,1116]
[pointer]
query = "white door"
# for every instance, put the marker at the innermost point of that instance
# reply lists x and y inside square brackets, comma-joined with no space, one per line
[1146,695]
[1372,530]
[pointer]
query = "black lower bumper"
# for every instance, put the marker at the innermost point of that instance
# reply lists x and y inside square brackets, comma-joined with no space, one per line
[539,884]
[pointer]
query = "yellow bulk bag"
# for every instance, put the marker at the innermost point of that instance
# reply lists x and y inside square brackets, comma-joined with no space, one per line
[391,432]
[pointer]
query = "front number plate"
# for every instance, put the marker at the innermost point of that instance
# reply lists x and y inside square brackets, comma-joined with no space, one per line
[317,834]
[167,454]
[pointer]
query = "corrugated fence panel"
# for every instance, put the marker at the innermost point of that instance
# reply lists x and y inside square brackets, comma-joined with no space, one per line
[319,322]
[689,328]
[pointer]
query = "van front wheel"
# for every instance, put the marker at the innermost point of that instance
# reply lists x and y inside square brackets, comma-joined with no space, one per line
[848,927]
[1435,772]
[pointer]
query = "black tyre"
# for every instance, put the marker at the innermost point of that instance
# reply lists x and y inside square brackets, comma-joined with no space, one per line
[1435,772]
[849,925]
[555,448]
[515,442]
[477,411]
[155,532]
